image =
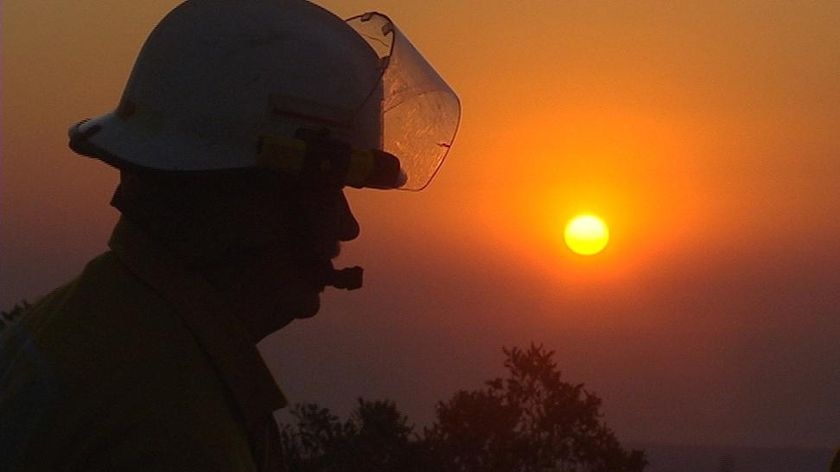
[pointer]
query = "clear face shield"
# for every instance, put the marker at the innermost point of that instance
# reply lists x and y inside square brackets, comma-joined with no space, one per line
[408,118]
[419,111]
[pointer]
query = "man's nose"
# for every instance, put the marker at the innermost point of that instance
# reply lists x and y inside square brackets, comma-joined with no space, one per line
[348,226]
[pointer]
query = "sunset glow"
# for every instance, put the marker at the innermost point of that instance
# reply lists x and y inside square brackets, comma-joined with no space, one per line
[586,235]
[621,190]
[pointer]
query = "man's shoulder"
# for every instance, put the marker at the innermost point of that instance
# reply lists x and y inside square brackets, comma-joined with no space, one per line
[100,315]
[117,375]
[103,284]
[108,327]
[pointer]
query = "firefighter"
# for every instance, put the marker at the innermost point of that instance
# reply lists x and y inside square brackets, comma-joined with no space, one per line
[240,126]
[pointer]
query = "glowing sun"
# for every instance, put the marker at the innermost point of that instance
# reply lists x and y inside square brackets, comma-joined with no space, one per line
[586,235]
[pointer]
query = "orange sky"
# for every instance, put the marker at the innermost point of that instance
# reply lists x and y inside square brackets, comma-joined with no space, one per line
[704,132]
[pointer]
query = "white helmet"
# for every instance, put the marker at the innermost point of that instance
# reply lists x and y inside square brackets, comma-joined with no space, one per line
[217,78]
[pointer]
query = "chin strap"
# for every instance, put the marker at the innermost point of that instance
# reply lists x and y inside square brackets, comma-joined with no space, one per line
[347,279]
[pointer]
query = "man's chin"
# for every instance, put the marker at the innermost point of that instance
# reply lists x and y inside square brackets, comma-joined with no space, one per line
[297,298]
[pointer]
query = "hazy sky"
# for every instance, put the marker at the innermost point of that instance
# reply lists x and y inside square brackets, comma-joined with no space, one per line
[705,133]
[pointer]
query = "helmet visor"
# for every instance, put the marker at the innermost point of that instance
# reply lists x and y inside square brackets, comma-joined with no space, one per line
[420,112]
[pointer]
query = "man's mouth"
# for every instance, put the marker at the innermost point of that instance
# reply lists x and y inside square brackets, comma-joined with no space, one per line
[316,263]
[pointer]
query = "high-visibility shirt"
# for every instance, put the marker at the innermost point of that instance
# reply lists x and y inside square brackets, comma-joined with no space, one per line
[134,365]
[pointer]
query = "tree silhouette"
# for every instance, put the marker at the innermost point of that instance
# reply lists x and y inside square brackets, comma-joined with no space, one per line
[377,437]
[9,317]
[530,420]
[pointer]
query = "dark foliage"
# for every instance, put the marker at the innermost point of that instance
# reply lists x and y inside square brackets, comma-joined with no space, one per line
[530,420]
[9,317]
[377,437]
[726,464]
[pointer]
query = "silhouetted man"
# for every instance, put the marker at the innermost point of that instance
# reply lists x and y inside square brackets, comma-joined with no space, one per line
[240,126]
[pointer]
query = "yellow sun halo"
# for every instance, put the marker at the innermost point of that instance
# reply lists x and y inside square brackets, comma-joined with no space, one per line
[586,235]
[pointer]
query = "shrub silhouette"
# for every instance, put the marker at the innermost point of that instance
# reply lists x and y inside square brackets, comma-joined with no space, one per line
[530,420]
[376,437]
[9,317]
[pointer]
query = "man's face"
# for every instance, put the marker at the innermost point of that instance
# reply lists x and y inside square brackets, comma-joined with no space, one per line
[321,223]
[265,242]
[295,238]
